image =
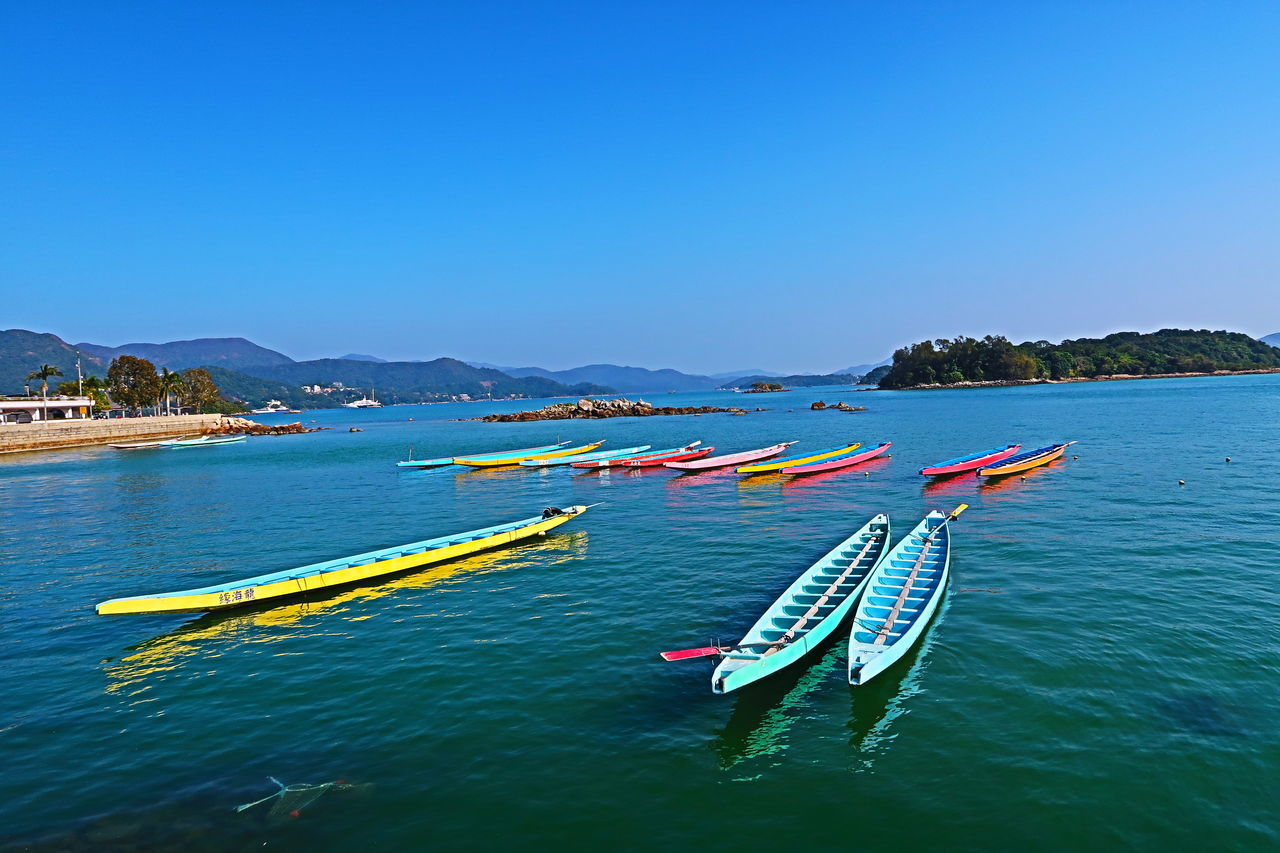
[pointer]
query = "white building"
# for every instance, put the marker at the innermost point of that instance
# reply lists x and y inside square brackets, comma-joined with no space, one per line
[22,410]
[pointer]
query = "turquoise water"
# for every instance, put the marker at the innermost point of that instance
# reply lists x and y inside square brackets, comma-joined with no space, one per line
[1103,672]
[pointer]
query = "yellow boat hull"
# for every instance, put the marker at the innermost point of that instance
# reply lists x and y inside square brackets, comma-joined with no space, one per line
[1001,470]
[778,465]
[251,592]
[516,460]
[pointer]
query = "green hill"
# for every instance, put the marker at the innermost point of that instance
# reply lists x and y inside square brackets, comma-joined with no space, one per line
[21,352]
[994,358]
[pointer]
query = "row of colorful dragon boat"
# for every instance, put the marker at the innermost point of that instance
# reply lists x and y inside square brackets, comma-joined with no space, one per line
[890,594]
[692,457]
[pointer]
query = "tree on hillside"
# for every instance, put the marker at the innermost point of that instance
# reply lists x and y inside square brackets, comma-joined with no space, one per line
[201,392]
[43,374]
[133,382]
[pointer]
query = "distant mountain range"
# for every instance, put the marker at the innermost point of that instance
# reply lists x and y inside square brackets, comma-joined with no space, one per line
[864,369]
[625,380]
[799,380]
[641,380]
[1274,340]
[252,373]
[418,381]
[755,371]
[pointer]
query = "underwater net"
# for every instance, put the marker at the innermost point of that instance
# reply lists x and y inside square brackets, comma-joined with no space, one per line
[290,800]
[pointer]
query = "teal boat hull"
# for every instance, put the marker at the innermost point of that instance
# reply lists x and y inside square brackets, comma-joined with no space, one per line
[762,651]
[867,657]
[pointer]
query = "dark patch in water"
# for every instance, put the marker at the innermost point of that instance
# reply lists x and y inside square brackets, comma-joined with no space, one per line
[1200,713]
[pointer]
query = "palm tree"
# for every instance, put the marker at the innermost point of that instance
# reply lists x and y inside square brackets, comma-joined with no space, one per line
[43,374]
[96,389]
[170,383]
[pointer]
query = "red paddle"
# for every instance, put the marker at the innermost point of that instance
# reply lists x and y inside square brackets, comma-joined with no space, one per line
[685,654]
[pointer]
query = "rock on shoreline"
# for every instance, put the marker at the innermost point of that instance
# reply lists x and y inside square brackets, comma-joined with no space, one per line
[589,408]
[238,426]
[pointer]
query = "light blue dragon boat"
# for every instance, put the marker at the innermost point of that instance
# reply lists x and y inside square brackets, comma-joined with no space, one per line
[901,597]
[808,612]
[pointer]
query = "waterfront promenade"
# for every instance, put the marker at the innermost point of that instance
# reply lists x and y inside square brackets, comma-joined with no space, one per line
[55,435]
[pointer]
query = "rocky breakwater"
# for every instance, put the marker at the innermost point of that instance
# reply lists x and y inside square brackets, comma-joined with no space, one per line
[242,426]
[590,408]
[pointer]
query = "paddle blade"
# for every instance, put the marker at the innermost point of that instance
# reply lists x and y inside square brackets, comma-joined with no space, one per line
[685,654]
[955,513]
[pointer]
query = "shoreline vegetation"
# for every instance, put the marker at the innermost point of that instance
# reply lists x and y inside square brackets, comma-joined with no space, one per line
[1118,377]
[994,361]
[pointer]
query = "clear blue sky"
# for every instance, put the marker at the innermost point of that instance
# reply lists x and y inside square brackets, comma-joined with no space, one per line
[699,185]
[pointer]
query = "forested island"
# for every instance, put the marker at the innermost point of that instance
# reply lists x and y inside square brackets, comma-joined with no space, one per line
[994,359]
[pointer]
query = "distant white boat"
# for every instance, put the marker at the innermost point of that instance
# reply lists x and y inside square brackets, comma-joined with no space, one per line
[275,407]
[364,403]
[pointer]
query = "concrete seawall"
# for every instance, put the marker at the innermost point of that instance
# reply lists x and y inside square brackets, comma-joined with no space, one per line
[55,435]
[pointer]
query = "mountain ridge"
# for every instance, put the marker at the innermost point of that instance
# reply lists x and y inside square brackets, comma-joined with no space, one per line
[233,353]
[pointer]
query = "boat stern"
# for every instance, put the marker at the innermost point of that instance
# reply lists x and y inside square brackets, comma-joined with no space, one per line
[865,664]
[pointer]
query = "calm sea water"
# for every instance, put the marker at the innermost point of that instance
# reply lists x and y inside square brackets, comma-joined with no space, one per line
[1105,671]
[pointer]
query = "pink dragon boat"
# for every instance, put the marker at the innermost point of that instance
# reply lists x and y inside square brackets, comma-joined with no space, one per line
[730,459]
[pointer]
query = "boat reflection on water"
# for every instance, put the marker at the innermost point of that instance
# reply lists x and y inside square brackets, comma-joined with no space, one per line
[693,478]
[1018,482]
[759,724]
[952,486]
[152,658]
[875,706]
[868,469]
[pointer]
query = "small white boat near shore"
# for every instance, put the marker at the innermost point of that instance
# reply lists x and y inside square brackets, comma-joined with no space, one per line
[206,441]
[146,445]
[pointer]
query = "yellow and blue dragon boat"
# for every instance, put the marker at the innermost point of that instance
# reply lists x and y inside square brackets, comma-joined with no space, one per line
[343,571]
